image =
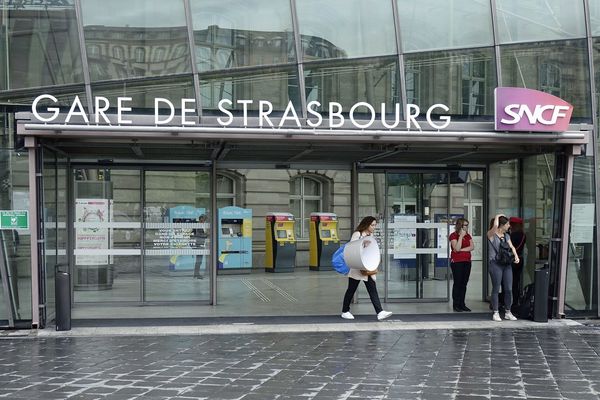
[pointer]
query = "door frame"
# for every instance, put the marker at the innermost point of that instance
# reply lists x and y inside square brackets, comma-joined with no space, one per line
[366,168]
[142,167]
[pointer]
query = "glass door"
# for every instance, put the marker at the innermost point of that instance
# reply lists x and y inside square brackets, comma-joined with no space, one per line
[416,255]
[141,235]
[177,258]
[106,235]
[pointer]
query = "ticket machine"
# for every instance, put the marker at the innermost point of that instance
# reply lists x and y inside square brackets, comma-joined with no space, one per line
[235,240]
[182,237]
[324,240]
[280,243]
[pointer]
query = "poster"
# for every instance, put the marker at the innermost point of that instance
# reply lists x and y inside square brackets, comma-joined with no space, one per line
[405,240]
[92,211]
[582,223]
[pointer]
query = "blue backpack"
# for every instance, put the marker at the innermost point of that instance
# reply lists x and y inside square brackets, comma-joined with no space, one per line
[338,263]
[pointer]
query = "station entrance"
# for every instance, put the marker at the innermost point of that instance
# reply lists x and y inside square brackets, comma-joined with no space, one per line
[133,222]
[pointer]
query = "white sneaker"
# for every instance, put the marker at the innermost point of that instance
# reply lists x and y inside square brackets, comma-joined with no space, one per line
[383,315]
[508,315]
[496,317]
[347,315]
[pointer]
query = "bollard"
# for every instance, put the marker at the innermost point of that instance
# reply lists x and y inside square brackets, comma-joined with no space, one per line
[540,305]
[62,291]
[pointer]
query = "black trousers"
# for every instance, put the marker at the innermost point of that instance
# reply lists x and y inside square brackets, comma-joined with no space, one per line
[371,288]
[461,271]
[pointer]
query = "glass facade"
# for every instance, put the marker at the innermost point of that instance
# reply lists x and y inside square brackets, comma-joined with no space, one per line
[559,68]
[298,51]
[39,45]
[446,28]
[345,28]
[464,80]
[150,39]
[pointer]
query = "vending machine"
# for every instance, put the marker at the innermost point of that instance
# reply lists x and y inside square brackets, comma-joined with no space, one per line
[280,243]
[182,237]
[235,240]
[324,240]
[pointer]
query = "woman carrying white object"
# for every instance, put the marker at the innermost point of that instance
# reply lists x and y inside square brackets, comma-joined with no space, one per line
[365,228]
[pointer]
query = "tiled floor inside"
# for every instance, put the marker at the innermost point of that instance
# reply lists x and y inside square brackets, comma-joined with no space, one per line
[302,292]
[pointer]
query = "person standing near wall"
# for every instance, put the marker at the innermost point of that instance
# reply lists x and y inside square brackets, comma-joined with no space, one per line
[500,262]
[462,245]
[518,238]
[365,228]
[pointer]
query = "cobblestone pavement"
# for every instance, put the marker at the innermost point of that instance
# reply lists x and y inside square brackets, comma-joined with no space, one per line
[544,363]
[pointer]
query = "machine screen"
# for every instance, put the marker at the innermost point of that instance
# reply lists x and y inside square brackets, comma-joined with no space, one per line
[281,234]
[326,234]
[226,231]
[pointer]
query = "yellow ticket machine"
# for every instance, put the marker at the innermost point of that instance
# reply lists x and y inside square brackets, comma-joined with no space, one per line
[324,240]
[280,243]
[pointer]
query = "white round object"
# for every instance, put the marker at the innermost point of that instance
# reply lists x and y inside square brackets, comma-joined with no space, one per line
[358,255]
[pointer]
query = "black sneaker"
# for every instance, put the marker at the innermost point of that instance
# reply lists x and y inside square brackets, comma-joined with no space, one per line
[465,308]
[457,309]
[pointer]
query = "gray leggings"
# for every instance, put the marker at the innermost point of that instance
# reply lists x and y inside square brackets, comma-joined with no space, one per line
[501,276]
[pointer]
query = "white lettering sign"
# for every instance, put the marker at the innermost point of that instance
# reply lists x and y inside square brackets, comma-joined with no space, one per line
[361,115]
[516,112]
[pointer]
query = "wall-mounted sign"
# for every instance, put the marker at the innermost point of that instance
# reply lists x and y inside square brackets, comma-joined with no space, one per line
[519,109]
[333,116]
[516,109]
[14,219]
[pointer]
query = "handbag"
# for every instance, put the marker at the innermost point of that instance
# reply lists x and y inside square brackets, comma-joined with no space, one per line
[338,263]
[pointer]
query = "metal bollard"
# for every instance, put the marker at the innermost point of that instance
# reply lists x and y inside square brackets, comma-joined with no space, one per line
[540,305]
[62,292]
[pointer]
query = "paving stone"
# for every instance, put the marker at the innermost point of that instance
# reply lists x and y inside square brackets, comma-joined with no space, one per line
[548,363]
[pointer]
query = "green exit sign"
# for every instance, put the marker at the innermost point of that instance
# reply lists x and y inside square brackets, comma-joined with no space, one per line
[14,219]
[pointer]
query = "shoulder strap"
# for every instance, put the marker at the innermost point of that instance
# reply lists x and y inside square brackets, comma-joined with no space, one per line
[492,242]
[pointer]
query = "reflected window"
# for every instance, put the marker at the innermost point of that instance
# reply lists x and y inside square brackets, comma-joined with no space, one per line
[533,20]
[474,87]
[371,81]
[305,198]
[461,79]
[147,25]
[445,27]
[413,82]
[42,45]
[279,86]
[143,93]
[118,52]
[346,28]
[550,78]
[140,55]
[240,34]
[557,67]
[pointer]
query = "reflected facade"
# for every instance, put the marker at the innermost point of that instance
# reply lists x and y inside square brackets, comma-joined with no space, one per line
[302,52]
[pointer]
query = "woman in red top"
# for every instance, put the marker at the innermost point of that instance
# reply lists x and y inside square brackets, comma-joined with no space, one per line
[461,244]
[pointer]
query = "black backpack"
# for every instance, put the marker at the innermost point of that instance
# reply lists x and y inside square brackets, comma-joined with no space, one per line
[504,255]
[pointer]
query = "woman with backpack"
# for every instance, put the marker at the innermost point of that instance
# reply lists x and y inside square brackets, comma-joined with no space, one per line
[501,256]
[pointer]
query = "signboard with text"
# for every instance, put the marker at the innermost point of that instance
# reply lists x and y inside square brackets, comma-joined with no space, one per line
[14,219]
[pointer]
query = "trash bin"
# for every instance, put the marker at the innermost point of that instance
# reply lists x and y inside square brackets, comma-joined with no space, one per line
[62,292]
[540,305]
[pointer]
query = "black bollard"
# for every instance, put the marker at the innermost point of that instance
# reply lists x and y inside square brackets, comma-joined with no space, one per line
[62,290]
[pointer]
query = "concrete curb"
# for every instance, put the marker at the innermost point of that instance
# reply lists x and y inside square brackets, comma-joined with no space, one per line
[249,328]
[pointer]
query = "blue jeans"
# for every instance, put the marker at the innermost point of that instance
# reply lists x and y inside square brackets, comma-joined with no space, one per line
[501,276]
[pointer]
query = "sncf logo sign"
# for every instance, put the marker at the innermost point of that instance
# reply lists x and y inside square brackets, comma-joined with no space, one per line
[519,109]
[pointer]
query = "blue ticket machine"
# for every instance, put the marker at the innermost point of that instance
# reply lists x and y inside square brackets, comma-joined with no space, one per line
[183,237]
[235,240]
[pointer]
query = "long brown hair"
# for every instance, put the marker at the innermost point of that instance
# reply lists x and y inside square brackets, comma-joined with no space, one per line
[364,224]
[460,222]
